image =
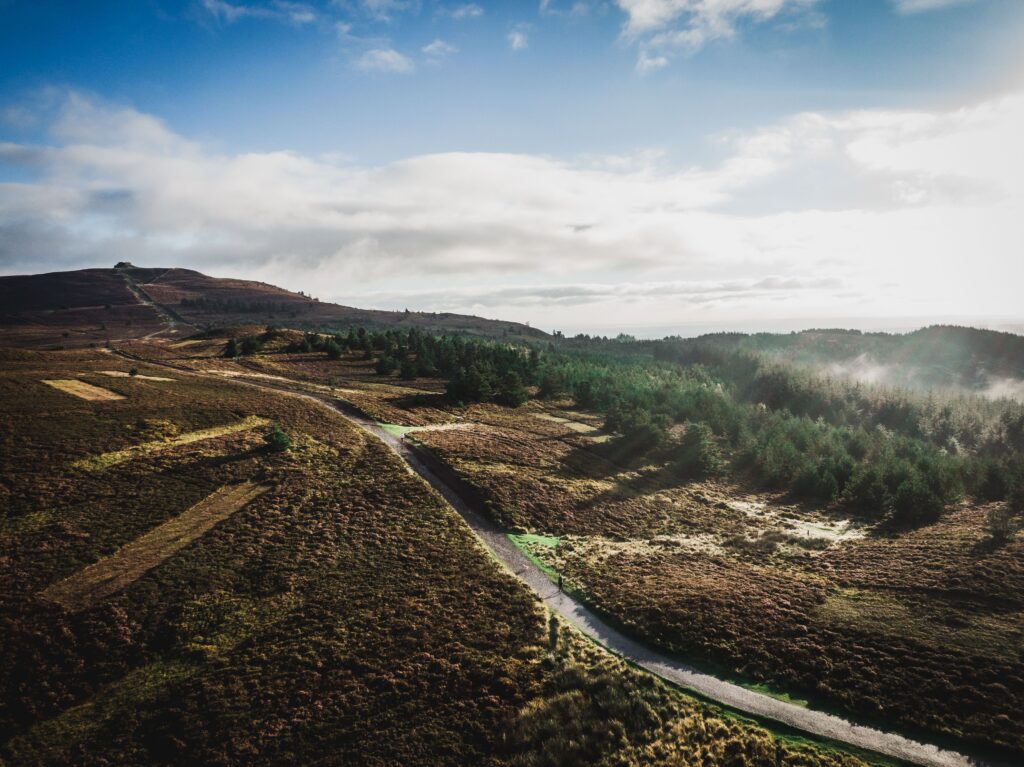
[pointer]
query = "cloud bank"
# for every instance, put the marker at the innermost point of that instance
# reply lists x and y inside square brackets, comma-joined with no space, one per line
[890,213]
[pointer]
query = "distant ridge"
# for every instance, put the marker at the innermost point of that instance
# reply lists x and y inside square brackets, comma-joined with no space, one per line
[86,306]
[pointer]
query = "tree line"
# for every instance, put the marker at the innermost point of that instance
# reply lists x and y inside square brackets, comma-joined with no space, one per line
[880,452]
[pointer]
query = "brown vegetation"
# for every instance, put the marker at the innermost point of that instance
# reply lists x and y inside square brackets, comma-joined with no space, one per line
[921,627]
[111,574]
[346,615]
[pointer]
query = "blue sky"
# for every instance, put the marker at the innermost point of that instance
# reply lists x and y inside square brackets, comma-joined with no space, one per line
[659,162]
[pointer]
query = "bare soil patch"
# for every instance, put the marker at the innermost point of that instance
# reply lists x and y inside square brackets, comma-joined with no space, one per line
[111,574]
[122,374]
[82,389]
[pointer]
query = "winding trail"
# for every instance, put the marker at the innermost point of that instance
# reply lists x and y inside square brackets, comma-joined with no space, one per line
[173,319]
[816,723]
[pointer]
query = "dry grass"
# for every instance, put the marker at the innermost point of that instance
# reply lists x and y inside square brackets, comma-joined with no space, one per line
[83,389]
[440,427]
[111,574]
[106,460]
[140,376]
[577,426]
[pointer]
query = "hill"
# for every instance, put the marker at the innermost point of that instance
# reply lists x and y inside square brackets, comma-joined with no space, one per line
[92,306]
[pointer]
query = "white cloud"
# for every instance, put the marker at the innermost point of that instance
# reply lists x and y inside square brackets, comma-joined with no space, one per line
[666,25]
[385,60]
[576,10]
[438,50]
[695,293]
[646,63]
[860,213]
[715,17]
[384,10]
[467,11]
[517,38]
[280,10]
[917,6]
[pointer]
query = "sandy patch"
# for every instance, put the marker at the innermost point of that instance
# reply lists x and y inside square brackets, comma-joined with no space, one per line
[122,374]
[130,562]
[832,530]
[83,389]
[440,427]
[577,426]
[549,417]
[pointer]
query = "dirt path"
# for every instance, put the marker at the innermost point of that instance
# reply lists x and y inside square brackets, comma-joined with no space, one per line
[130,562]
[816,723]
[174,322]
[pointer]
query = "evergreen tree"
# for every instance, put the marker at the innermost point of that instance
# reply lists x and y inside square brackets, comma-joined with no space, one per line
[511,392]
[407,370]
[699,455]
[250,345]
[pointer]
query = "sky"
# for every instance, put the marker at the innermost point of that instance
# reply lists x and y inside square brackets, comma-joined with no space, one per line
[643,166]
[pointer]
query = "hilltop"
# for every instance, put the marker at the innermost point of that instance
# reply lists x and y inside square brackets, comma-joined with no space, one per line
[91,306]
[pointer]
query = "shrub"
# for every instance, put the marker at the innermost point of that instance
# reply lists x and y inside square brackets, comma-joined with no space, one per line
[277,440]
[471,384]
[1015,495]
[407,370]
[551,384]
[511,392]
[250,345]
[425,366]
[231,349]
[699,455]
[914,503]
[1000,525]
[866,491]
[640,430]
[385,365]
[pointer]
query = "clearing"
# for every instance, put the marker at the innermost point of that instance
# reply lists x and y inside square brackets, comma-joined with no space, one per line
[111,574]
[106,460]
[82,389]
[577,426]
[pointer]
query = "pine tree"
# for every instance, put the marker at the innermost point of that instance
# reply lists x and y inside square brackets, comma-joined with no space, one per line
[407,370]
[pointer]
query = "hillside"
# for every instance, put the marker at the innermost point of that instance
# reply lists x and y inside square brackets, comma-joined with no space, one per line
[92,306]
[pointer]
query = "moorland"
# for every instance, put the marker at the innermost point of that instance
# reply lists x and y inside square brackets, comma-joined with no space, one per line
[205,571]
